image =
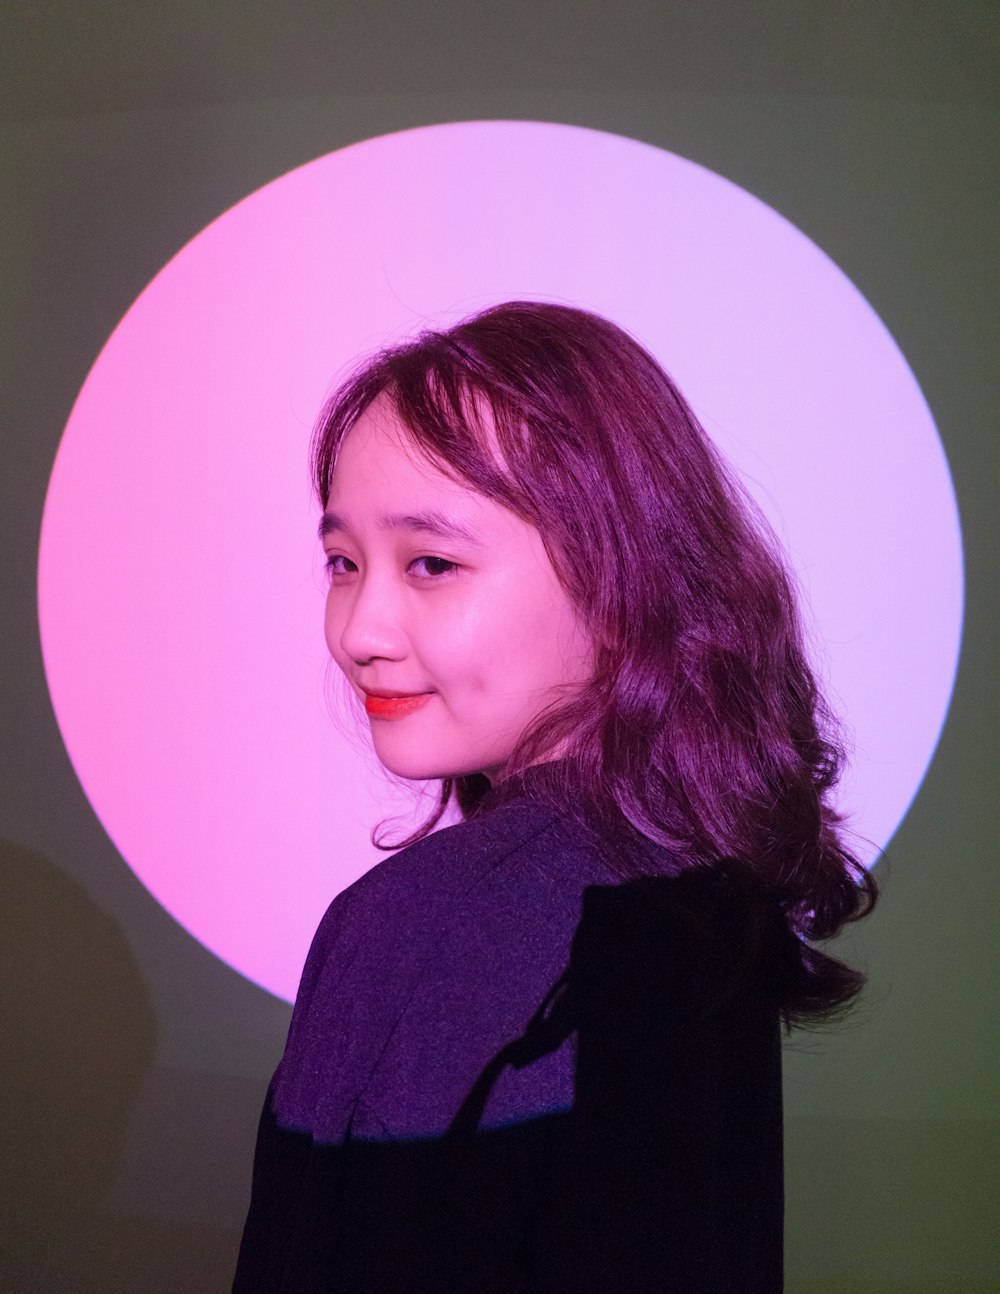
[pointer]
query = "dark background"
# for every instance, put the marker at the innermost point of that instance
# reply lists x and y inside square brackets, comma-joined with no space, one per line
[134,1062]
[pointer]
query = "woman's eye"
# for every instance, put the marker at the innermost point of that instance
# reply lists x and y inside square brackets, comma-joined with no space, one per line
[434,566]
[331,563]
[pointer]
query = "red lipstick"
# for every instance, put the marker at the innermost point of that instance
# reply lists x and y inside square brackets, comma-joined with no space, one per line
[394,706]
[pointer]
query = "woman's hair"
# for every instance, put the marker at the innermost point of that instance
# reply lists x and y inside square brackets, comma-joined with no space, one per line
[703,729]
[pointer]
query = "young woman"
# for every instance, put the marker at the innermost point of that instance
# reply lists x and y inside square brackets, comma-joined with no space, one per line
[540,1049]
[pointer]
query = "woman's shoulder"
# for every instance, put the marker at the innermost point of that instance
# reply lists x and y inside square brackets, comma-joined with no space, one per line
[497,897]
[520,844]
[521,854]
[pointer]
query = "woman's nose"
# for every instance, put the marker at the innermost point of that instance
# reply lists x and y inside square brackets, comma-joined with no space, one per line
[372,624]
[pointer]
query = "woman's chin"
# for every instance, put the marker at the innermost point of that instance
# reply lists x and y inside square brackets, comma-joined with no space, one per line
[421,766]
[416,765]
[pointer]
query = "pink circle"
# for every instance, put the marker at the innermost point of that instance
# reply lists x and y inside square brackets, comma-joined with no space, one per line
[180,602]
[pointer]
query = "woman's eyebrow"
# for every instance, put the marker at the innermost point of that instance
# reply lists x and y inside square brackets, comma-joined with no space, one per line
[426,523]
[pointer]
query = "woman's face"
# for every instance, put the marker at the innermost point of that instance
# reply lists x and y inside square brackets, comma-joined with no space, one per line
[476,623]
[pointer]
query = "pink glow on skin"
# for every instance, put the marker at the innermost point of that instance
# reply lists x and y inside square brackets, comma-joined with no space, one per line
[484,626]
[180,589]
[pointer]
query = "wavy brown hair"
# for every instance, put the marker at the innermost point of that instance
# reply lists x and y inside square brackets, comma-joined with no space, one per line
[703,730]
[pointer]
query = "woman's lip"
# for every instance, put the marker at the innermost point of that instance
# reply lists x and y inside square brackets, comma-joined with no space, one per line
[395,707]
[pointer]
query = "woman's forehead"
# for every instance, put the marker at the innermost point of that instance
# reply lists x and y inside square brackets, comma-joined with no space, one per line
[400,486]
[383,419]
[380,435]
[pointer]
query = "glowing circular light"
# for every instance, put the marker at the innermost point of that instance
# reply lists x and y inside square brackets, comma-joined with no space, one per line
[180,606]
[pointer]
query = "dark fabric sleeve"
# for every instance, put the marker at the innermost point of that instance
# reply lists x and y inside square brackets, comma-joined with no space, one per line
[671,1173]
[665,1175]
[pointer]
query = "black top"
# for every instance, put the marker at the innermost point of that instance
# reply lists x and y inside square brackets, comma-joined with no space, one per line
[508,1071]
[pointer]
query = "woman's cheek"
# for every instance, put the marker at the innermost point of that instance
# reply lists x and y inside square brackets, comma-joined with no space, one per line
[474,620]
[333,628]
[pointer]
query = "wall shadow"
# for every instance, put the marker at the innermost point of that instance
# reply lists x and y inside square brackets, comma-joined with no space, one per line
[78,1035]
